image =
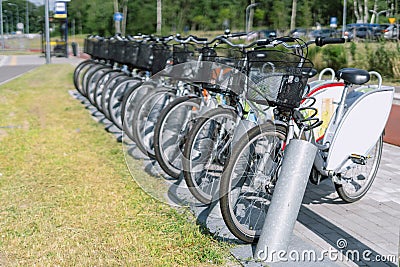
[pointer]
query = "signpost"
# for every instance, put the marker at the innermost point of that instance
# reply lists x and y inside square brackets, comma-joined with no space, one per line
[118,16]
[333,22]
[60,10]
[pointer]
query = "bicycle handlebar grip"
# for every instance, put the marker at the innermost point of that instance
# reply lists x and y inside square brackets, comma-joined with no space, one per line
[263,42]
[321,41]
[287,39]
[237,34]
[200,39]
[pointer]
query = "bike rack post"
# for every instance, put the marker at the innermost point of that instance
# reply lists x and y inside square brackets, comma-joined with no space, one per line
[286,200]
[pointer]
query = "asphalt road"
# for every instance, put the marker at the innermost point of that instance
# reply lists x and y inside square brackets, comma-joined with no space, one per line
[14,66]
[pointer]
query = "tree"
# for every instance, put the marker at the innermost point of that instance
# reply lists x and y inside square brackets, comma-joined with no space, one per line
[159,17]
[280,16]
[293,18]
[361,11]
[305,14]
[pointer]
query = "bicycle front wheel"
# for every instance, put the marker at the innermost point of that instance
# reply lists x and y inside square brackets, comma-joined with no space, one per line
[249,178]
[207,147]
[116,97]
[171,130]
[145,117]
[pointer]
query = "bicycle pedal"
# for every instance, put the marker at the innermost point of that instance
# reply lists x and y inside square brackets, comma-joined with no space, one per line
[358,159]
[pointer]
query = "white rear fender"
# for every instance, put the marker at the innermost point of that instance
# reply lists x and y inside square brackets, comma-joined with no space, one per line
[360,127]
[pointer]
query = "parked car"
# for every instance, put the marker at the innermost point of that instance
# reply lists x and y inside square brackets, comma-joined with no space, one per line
[297,33]
[362,32]
[322,33]
[391,32]
[365,31]
[268,34]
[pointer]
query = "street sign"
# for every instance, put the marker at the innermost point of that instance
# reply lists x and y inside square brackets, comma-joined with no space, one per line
[60,10]
[20,26]
[333,22]
[118,16]
[392,20]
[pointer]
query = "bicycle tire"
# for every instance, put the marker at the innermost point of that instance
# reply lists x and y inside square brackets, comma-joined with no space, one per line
[354,176]
[78,73]
[111,83]
[115,99]
[85,73]
[244,196]
[129,102]
[170,133]
[89,74]
[100,86]
[92,82]
[206,148]
[145,117]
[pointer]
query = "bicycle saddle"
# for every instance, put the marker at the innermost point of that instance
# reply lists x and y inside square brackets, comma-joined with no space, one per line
[353,75]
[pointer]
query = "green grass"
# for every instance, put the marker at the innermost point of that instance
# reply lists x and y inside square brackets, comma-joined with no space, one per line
[67,198]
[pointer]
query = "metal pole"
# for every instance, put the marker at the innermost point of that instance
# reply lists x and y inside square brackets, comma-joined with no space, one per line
[27,18]
[66,37]
[286,200]
[47,32]
[7,28]
[344,17]
[247,15]
[1,25]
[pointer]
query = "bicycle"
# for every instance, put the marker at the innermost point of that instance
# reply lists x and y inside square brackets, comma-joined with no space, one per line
[248,180]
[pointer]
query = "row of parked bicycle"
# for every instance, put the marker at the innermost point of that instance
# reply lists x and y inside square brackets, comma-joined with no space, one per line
[220,113]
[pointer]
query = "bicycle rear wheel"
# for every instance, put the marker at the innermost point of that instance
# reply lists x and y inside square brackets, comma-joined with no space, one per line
[249,178]
[207,147]
[358,178]
[170,133]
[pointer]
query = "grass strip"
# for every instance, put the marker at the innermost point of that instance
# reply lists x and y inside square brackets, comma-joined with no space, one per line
[67,197]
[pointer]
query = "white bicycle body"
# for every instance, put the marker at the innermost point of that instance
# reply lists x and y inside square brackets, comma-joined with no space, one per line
[356,123]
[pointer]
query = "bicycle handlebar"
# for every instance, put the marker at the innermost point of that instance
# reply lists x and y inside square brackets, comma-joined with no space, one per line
[321,41]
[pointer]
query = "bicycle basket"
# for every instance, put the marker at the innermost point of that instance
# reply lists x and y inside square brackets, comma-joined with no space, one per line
[161,54]
[103,49]
[131,53]
[117,50]
[277,78]
[88,46]
[182,53]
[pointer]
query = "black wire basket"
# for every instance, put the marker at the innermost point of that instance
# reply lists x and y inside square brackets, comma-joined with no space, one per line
[131,53]
[182,53]
[277,78]
[117,50]
[103,49]
[91,47]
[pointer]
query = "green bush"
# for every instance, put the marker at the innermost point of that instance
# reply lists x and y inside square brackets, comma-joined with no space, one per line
[334,56]
[380,60]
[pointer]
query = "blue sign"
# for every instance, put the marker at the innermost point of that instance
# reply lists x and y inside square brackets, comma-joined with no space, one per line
[333,22]
[60,10]
[118,16]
